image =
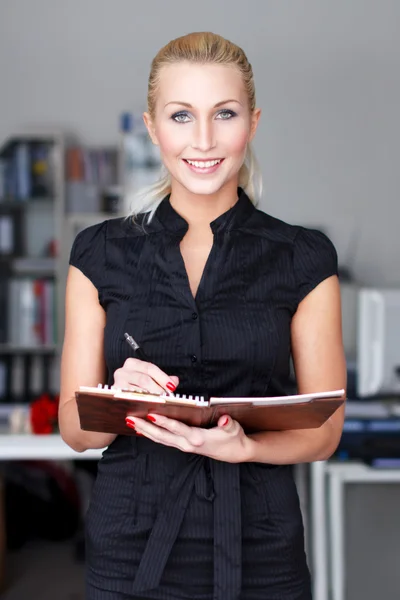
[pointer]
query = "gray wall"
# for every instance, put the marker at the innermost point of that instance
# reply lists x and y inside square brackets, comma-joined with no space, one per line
[328,81]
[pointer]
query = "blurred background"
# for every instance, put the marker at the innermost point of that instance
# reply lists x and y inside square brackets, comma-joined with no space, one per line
[73,84]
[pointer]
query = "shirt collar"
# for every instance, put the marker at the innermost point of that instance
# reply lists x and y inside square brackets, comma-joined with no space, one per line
[166,216]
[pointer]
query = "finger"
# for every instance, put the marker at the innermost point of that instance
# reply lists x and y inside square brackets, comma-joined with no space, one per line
[227,424]
[136,382]
[131,379]
[166,382]
[132,388]
[175,380]
[159,434]
[193,435]
[146,383]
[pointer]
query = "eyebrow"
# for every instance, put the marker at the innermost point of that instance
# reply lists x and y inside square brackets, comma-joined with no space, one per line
[190,106]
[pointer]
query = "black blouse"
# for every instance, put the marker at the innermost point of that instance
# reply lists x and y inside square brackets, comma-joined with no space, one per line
[233,339]
[235,335]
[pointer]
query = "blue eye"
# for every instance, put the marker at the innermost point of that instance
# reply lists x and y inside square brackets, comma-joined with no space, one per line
[180,117]
[184,117]
[226,115]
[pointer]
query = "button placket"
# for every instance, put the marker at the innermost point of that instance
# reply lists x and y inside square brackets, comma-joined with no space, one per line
[194,338]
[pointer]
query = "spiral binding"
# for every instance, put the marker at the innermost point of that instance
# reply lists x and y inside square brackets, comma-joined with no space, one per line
[115,392]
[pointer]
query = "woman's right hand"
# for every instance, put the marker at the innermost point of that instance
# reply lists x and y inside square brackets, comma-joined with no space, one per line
[139,375]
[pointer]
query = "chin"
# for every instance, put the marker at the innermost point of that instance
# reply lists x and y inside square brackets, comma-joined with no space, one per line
[203,188]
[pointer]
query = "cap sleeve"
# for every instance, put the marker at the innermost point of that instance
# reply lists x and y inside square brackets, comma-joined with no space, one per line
[88,253]
[315,259]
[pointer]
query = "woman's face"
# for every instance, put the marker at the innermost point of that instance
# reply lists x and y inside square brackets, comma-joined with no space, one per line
[202,125]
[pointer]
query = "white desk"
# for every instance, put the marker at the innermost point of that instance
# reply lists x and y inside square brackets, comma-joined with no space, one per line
[40,447]
[328,524]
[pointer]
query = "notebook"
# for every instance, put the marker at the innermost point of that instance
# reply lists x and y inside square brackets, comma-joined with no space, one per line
[104,409]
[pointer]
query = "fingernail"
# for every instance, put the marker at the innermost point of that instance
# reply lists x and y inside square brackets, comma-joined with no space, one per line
[225,422]
[130,423]
[140,434]
[171,386]
[150,418]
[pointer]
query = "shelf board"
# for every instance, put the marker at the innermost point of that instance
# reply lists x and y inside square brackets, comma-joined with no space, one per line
[34,265]
[17,349]
[21,204]
[43,137]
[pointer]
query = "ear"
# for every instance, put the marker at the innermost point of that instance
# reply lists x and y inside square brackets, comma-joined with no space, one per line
[254,119]
[150,128]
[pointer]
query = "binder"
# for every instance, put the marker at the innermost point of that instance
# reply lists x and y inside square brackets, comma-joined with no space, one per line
[104,409]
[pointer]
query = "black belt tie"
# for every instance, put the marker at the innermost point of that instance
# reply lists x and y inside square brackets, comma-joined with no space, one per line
[225,494]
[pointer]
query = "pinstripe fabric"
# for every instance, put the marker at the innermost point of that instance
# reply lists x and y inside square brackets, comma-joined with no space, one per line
[164,524]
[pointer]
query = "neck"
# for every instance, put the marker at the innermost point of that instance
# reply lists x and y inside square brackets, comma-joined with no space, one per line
[200,210]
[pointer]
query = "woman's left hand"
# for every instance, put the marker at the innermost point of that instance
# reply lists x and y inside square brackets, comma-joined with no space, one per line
[226,442]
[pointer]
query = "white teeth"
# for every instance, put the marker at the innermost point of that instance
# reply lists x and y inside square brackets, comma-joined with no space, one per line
[204,164]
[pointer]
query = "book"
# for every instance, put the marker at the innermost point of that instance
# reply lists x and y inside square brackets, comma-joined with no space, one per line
[104,409]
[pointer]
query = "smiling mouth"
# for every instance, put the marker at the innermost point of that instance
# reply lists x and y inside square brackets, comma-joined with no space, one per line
[203,164]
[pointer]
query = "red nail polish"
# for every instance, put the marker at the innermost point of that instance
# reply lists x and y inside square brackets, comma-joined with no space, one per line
[140,434]
[170,386]
[130,423]
[150,418]
[225,422]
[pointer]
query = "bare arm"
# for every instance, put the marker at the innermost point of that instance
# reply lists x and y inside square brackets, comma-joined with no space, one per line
[320,365]
[82,361]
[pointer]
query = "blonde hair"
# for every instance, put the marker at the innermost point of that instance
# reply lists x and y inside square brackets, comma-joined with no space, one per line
[199,48]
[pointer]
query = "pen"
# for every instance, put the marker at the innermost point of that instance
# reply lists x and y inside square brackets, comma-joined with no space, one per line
[137,349]
[141,354]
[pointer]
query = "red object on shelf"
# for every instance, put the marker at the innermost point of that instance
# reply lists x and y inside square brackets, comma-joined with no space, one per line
[43,414]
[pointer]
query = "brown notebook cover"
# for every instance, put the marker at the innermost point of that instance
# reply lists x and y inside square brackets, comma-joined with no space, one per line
[104,410]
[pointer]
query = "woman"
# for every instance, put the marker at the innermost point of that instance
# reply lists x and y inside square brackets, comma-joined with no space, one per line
[220,295]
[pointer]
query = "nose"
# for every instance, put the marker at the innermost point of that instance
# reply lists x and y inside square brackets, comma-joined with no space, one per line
[203,135]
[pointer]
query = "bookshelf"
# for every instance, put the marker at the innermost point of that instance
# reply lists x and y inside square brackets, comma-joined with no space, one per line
[32,208]
[51,187]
